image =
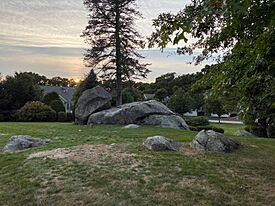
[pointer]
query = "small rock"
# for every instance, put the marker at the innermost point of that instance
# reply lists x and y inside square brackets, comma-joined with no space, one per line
[21,142]
[114,146]
[243,133]
[160,143]
[131,126]
[214,142]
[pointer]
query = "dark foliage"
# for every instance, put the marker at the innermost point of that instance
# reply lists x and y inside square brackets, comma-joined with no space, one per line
[114,41]
[36,112]
[48,98]
[197,121]
[16,90]
[57,106]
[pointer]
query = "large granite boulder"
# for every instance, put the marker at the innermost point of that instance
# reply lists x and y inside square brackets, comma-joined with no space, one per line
[131,113]
[160,143]
[208,140]
[91,101]
[166,121]
[21,142]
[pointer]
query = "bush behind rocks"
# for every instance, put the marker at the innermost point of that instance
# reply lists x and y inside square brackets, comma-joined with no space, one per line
[36,112]
[196,121]
[200,128]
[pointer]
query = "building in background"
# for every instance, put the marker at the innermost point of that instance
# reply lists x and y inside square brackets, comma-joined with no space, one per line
[65,95]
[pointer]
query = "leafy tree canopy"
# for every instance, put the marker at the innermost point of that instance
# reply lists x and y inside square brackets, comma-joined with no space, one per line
[242,35]
[16,90]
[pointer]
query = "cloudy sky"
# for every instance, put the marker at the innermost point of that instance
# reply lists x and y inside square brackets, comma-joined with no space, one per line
[43,36]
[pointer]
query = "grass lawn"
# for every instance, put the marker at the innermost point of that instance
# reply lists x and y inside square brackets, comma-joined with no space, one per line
[88,171]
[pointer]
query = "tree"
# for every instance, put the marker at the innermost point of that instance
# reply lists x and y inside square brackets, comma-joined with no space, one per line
[59,82]
[40,80]
[214,106]
[131,94]
[114,41]
[57,106]
[161,94]
[242,35]
[17,90]
[181,102]
[48,98]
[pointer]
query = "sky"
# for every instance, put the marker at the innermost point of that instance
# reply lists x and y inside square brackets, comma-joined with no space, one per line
[43,36]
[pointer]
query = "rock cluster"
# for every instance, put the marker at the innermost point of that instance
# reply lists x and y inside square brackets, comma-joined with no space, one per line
[93,108]
[21,142]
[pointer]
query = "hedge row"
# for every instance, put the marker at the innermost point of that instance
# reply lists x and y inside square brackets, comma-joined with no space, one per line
[200,128]
[37,112]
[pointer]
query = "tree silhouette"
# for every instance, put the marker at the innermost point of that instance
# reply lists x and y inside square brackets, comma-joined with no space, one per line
[114,41]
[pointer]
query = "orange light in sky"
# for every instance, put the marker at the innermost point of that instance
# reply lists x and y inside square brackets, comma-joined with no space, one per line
[77,80]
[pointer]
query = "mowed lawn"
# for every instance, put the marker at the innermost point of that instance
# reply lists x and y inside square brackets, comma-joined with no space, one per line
[88,171]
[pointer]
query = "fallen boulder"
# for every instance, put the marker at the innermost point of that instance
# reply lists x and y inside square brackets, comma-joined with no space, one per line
[166,121]
[208,140]
[91,101]
[160,143]
[21,142]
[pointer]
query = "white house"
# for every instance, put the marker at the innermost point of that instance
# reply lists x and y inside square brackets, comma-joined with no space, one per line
[65,95]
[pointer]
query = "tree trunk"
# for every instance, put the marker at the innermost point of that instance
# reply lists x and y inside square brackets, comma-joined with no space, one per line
[219,119]
[118,57]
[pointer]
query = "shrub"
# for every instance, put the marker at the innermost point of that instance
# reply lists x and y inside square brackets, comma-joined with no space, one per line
[197,121]
[70,117]
[62,117]
[271,130]
[48,98]
[57,106]
[200,128]
[2,118]
[36,112]
[192,128]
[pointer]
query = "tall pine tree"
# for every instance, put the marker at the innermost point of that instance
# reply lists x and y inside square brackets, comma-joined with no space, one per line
[114,41]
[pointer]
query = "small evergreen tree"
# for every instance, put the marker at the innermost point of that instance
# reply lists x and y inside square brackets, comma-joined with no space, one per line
[48,98]
[57,106]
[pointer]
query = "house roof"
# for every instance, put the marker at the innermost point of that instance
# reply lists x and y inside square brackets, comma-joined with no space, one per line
[65,92]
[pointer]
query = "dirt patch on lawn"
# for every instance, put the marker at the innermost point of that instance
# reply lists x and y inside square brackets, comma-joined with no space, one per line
[99,154]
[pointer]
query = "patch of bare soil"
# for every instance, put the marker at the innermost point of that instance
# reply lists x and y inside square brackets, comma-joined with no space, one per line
[98,154]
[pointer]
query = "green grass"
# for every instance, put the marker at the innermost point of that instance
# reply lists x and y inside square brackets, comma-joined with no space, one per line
[132,175]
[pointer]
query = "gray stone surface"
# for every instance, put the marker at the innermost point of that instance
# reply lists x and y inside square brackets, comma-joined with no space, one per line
[21,142]
[160,143]
[214,142]
[129,113]
[91,101]
[131,126]
[147,113]
[166,121]
[243,133]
